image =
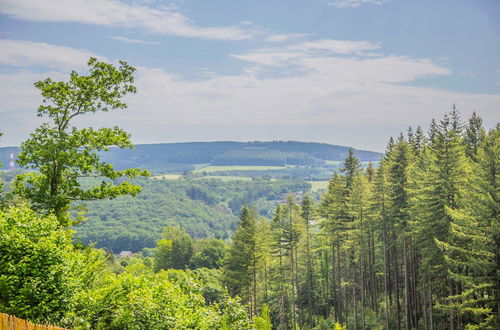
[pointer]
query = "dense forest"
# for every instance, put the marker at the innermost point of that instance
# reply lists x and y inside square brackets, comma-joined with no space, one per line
[203,207]
[412,243]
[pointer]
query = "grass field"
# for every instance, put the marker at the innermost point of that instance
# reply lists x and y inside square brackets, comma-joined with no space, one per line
[167,176]
[209,169]
[226,178]
[317,185]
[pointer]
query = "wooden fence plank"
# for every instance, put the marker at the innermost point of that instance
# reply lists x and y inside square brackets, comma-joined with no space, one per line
[10,322]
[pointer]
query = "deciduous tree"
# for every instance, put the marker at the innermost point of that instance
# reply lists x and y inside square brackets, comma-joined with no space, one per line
[62,154]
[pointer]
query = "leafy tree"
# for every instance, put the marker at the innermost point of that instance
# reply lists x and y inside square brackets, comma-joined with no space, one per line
[210,255]
[174,250]
[1,186]
[63,154]
[171,299]
[163,255]
[38,266]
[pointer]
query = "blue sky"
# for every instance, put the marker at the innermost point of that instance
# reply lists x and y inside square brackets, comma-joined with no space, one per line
[349,72]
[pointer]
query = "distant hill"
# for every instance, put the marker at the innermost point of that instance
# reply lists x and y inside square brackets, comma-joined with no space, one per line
[171,156]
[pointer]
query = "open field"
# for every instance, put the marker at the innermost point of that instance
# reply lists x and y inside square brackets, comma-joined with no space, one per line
[317,185]
[167,176]
[214,168]
[226,177]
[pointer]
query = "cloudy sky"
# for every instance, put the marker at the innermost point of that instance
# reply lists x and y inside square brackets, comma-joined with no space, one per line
[348,72]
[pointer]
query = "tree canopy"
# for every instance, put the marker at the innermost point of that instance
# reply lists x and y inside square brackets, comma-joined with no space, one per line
[63,154]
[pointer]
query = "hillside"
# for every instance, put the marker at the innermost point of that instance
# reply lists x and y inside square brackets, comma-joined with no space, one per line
[204,207]
[180,157]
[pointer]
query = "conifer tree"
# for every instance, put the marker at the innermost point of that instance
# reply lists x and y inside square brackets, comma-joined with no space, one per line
[241,263]
[471,251]
[474,134]
[307,213]
[279,283]
[350,169]
[334,223]
[443,188]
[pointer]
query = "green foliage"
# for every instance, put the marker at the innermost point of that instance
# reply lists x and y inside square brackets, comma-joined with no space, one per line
[163,255]
[210,255]
[471,250]
[39,268]
[338,326]
[263,321]
[174,250]
[412,244]
[45,278]
[168,300]
[130,224]
[62,154]
[474,135]
[241,256]
[2,202]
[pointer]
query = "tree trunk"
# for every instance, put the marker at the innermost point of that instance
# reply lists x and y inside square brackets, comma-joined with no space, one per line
[407,284]
[386,284]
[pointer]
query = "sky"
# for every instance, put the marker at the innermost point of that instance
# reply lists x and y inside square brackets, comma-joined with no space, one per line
[346,72]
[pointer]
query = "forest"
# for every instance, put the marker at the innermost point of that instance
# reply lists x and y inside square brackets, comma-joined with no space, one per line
[204,207]
[412,243]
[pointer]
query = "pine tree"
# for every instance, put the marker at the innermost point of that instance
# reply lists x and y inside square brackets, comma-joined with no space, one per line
[279,281]
[399,164]
[471,252]
[307,213]
[334,223]
[474,134]
[359,210]
[350,169]
[241,264]
[380,203]
[442,187]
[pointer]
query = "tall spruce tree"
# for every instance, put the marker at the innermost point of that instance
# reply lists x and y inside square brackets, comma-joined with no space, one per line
[471,251]
[241,264]
[474,134]
[444,186]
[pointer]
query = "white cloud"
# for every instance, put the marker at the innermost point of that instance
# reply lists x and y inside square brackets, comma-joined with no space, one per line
[341,88]
[294,53]
[134,41]
[114,13]
[286,37]
[335,46]
[355,3]
[29,53]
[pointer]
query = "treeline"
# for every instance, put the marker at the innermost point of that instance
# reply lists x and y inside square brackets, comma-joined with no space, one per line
[180,156]
[413,244]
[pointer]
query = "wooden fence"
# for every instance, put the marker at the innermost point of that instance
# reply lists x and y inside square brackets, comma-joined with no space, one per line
[10,322]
